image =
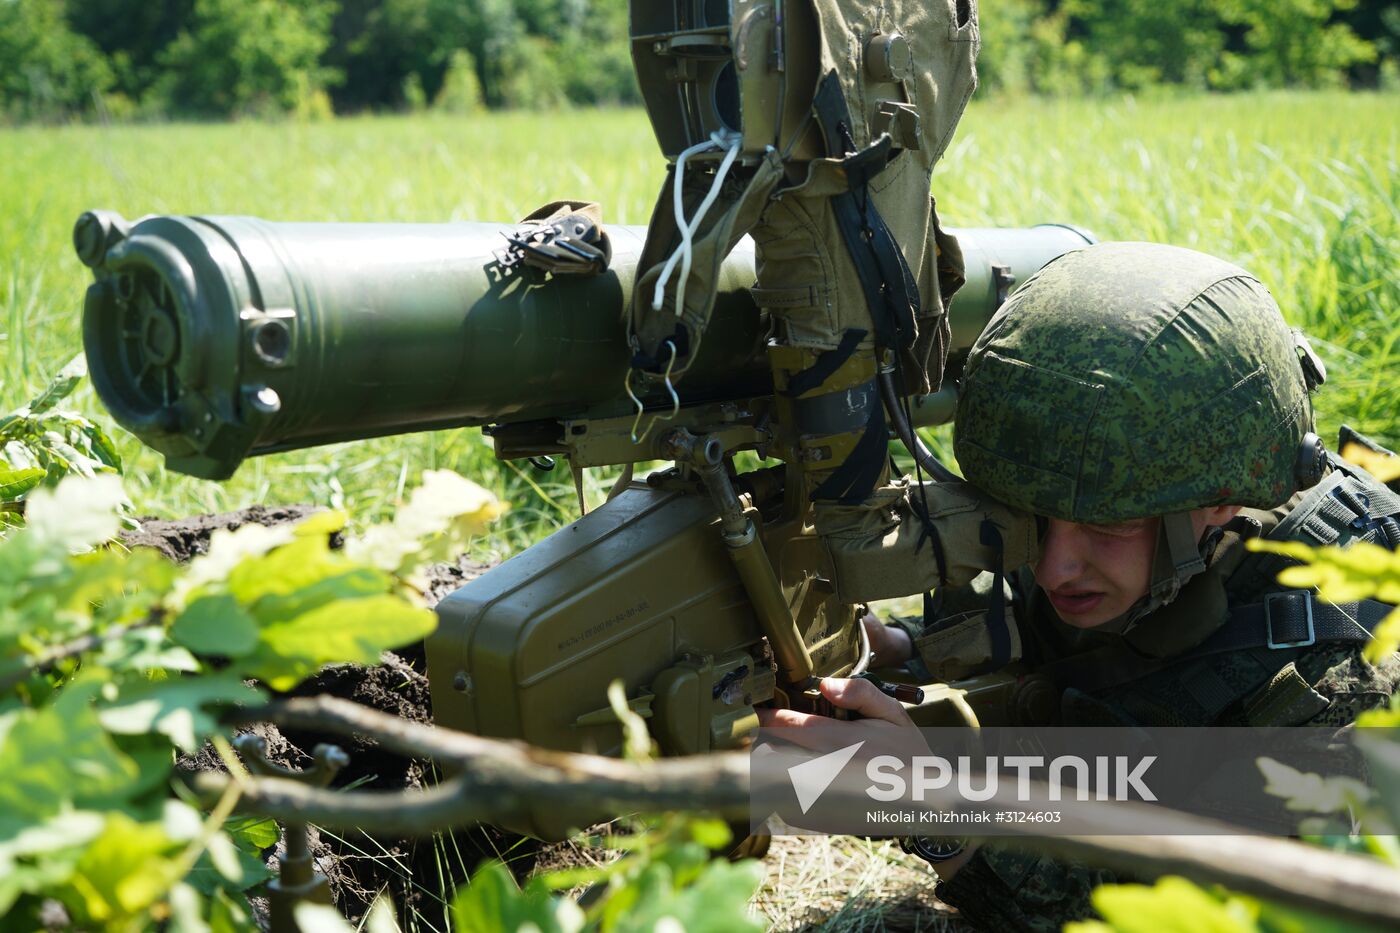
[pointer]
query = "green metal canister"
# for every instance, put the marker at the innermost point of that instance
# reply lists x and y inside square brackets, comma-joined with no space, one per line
[213,339]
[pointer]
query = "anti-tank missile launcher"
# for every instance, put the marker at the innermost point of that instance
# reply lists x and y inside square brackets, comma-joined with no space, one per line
[218,338]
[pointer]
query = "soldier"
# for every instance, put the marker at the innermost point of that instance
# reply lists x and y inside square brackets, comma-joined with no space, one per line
[1151,408]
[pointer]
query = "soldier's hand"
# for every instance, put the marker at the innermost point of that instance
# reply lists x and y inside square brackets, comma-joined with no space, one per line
[889,643]
[854,694]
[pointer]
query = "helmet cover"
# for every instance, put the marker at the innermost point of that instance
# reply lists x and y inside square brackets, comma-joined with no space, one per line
[1129,380]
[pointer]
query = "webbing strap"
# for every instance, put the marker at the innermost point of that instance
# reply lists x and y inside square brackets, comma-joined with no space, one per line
[808,379]
[890,290]
[1291,619]
[1294,619]
[998,630]
[852,481]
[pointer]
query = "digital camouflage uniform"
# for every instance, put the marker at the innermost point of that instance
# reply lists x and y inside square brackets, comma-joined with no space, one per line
[1128,381]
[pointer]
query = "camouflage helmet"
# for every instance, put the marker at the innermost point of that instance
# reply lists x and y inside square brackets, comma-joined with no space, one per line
[1129,380]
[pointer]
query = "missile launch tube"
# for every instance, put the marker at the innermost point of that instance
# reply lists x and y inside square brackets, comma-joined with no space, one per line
[213,339]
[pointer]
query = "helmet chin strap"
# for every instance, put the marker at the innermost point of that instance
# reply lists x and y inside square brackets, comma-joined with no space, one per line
[1177,558]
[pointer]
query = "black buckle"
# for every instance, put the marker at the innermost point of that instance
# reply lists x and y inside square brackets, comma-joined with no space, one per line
[1269,601]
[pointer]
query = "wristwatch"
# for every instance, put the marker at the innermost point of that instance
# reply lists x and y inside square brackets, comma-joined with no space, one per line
[934,849]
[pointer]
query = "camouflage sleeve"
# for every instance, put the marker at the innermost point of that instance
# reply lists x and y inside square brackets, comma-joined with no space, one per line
[999,889]
[1350,684]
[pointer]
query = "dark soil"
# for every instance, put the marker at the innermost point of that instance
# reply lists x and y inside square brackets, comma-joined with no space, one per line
[417,874]
[185,538]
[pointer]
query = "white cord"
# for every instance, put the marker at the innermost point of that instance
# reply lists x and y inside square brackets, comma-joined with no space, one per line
[683,251]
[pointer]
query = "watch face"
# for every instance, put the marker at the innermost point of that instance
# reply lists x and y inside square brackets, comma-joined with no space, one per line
[934,849]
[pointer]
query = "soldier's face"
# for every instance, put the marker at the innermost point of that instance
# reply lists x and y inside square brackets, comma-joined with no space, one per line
[1092,574]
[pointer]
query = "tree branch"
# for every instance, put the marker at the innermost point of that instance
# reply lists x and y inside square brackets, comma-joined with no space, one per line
[496,778]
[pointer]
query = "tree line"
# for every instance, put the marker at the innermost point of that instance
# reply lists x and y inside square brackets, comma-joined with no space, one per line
[229,58]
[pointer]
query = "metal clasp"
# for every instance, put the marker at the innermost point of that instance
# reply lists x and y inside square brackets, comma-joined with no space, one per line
[1269,601]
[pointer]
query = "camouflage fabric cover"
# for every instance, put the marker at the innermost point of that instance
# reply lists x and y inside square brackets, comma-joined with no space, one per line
[806,277]
[1128,380]
[878,549]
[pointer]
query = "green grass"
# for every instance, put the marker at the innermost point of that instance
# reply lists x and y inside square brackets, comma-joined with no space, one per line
[1304,190]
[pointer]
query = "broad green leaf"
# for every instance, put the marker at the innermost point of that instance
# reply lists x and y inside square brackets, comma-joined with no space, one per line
[297,564]
[101,444]
[122,872]
[43,856]
[61,386]
[1385,640]
[57,757]
[493,901]
[320,918]
[716,902]
[355,583]
[240,870]
[15,483]
[1308,792]
[321,524]
[253,833]
[225,866]
[1383,467]
[176,708]
[711,833]
[118,585]
[79,513]
[216,624]
[228,549]
[1382,750]
[1172,905]
[1385,717]
[441,516]
[186,910]
[357,631]
[144,649]
[228,914]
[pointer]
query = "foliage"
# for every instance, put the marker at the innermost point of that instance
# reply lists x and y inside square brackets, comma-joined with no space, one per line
[1176,905]
[41,443]
[1290,43]
[241,57]
[225,58]
[668,880]
[461,88]
[47,69]
[1074,46]
[112,661]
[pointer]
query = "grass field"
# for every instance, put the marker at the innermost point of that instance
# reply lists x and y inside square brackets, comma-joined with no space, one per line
[1302,189]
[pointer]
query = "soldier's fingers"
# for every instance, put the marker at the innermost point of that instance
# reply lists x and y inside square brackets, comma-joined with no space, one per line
[776,718]
[861,696]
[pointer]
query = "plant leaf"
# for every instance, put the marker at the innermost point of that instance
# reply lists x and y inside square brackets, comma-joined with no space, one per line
[1172,905]
[1308,792]
[15,483]
[356,631]
[216,624]
[61,386]
[176,708]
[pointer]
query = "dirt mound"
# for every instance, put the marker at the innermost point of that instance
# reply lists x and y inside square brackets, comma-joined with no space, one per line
[420,875]
[184,538]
